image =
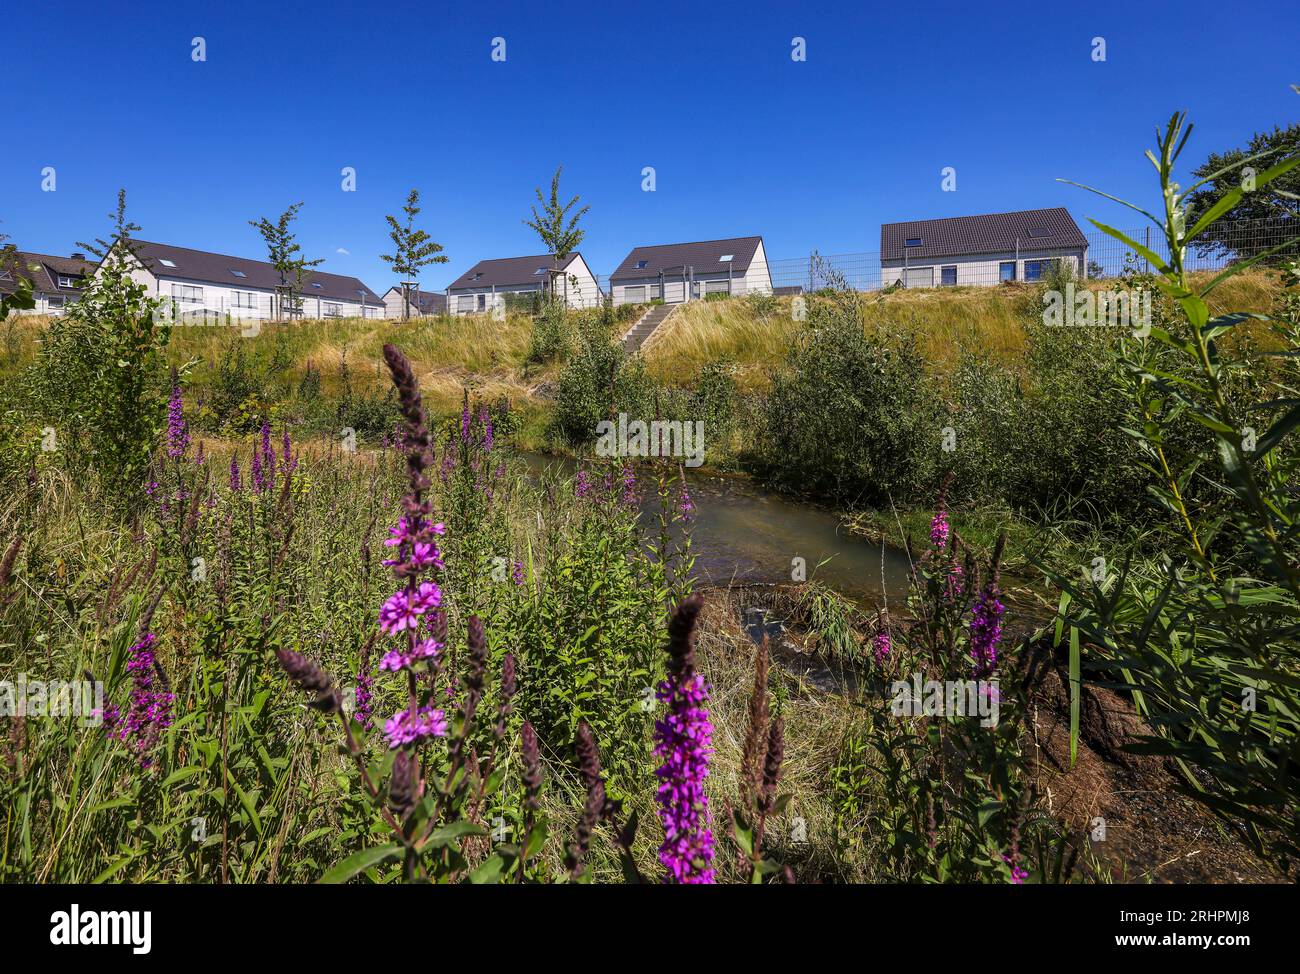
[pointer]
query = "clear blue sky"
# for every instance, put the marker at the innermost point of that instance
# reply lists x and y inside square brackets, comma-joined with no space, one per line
[744,140]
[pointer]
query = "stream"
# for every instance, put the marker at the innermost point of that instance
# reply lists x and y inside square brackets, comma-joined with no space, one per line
[743,533]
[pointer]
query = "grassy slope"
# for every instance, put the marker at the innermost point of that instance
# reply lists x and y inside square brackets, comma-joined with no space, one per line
[490,358]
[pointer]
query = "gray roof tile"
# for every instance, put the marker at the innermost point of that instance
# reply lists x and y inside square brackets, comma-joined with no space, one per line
[703,255]
[986,233]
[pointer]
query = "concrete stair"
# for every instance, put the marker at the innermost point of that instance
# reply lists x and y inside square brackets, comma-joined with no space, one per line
[645,326]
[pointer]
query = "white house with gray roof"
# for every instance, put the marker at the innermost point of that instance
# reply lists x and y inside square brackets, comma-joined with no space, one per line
[493,284]
[56,281]
[985,249]
[681,272]
[198,284]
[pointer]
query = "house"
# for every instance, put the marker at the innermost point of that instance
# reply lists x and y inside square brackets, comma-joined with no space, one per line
[195,283]
[422,303]
[687,271]
[493,283]
[984,249]
[56,281]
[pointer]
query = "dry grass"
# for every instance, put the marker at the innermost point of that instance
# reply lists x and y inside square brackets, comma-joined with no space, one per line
[945,321]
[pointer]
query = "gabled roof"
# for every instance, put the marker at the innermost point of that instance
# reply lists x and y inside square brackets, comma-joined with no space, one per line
[428,302]
[511,271]
[986,233]
[44,271]
[704,255]
[199,265]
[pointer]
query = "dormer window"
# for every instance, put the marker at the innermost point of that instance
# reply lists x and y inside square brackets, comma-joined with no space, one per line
[65,281]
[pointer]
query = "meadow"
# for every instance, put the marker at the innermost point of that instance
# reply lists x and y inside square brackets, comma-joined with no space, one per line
[343,632]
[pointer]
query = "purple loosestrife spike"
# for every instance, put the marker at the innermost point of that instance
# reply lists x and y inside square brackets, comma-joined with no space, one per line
[986,630]
[880,647]
[532,776]
[235,484]
[306,672]
[401,729]
[149,712]
[750,774]
[594,808]
[582,485]
[485,420]
[178,437]
[683,741]
[772,766]
[404,786]
[685,506]
[517,573]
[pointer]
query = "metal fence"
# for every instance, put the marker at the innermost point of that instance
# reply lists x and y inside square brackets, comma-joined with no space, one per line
[1106,257]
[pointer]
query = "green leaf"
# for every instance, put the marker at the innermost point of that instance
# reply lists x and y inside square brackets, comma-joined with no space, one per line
[358,862]
[488,871]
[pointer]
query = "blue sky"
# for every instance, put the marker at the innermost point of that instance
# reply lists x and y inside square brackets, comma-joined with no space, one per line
[743,139]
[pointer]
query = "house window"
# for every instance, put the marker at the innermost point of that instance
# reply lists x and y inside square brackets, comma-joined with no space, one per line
[482,302]
[187,294]
[333,310]
[641,264]
[238,273]
[634,295]
[54,301]
[465,303]
[726,258]
[912,242]
[65,281]
[918,277]
[244,299]
[1035,270]
[717,287]
[948,275]
[1007,270]
[166,263]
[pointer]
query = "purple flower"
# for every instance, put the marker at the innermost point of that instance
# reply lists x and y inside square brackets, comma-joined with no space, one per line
[486,420]
[683,742]
[880,647]
[685,506]
[397,659]
[149,711]
[939,529]
[517,574]
[235,484]
[581,486]
[363,713]
[178,437]
[629,485]
[986,630]
[402,610]
[401,729]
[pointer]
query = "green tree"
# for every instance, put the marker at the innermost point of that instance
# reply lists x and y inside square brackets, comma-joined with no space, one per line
[101,374]
[1236,169]
[558,229]
[412,249]
[284,253]
[19,297]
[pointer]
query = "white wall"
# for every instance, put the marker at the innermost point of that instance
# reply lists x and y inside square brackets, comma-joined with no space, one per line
[980,269]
